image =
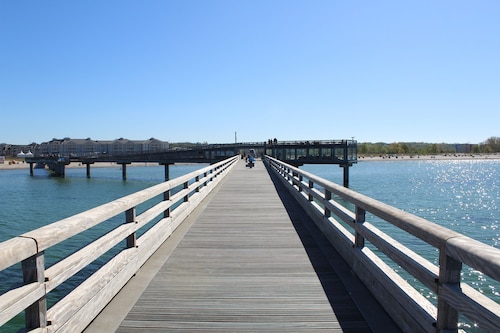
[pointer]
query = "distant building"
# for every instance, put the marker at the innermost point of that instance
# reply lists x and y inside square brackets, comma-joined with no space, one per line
[89,147]
[464,148]
[9,150]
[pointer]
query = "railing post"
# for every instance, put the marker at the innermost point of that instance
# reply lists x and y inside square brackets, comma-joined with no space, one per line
[449,273]
[34,272]
[166,197]
[328,197]
[300,183]
[359,241]
[186,197]
[311,185]
[293,179]
[197,181]
[130,218]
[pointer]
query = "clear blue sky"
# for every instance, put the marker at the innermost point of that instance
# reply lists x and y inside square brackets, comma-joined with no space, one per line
[201,70]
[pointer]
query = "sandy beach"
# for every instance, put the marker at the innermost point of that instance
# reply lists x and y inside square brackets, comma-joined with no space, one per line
[23,165]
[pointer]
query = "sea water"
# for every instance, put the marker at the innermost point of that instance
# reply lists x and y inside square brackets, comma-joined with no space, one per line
[462,195]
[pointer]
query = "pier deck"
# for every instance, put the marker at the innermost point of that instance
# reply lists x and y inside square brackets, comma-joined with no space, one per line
[247,263]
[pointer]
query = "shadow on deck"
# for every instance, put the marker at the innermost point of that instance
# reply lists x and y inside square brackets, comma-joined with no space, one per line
[349,298]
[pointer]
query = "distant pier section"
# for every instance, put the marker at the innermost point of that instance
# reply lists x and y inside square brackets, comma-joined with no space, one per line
[297,153]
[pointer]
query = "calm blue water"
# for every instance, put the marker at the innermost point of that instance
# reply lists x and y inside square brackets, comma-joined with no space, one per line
[460,195]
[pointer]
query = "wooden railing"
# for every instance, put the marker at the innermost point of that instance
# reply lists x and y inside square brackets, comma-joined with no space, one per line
[347,230]
[172,201]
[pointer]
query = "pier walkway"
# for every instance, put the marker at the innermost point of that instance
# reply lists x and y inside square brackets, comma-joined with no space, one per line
[245,261]
[226,248]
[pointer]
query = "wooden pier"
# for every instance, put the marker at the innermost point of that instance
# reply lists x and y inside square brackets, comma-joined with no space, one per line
[228,248]
[341,152]
[249,263]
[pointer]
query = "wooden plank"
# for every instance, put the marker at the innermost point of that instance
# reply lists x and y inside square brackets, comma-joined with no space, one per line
[16,250]
[243,267]
[66,268]
[413,263]
[16,300]
[99,285]
[475,254]
[473,305]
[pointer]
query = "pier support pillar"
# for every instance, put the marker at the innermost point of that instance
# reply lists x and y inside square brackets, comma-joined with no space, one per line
[59,168]
[124,170]
[346,174]
[167,170]
[87,165]
[31,169]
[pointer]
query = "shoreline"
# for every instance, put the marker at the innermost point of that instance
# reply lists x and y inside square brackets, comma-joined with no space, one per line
[437,157]
[361,158]
[20,165]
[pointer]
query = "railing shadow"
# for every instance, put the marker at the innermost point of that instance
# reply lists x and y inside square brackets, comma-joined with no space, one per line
[354,306]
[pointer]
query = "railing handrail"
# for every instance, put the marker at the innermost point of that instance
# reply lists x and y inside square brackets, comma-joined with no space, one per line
[315,195]
[93,294]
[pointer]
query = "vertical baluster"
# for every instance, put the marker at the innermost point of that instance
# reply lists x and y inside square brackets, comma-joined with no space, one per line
[166,197]
[130,218]
[328,197]
[34,272]
[186,197]
[359,241]
[294,178]
[215,172]
[449,273]
[311,185]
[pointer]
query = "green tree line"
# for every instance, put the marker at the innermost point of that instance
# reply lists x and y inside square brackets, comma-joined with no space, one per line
[491,145]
